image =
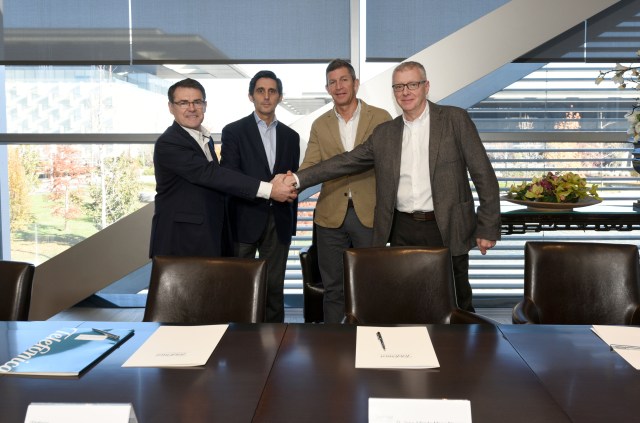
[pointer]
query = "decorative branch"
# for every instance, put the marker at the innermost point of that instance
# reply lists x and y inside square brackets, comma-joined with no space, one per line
[622,75]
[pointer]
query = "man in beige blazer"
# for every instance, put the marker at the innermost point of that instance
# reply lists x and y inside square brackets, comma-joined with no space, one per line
[422,161]
[344,212]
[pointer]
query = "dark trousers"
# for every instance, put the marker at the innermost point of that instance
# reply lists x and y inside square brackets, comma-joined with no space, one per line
[331,244]
[276,254]
[406,232]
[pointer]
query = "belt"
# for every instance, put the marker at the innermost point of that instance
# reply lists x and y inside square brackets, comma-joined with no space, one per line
[422,216]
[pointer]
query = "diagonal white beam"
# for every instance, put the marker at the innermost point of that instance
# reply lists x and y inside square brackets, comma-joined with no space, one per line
[480,48]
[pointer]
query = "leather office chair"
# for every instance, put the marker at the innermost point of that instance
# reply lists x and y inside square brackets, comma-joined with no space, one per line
[16,279]
[580,283]
[312,288]
[402,285]
[205,290]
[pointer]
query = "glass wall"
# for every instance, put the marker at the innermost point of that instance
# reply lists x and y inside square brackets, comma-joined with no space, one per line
[64,186]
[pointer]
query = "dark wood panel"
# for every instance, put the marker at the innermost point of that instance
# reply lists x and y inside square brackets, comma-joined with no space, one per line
[314,378]
[227,389]
[590,382]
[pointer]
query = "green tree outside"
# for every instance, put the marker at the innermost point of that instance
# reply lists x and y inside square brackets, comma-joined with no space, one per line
[19,204]
[114,190]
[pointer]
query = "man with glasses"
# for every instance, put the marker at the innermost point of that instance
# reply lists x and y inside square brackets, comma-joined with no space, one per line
[422,161]
[260,146]
[344,213]
[190,184]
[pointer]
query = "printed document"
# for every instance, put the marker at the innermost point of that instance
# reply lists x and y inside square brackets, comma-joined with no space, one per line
[406,347]
[178,346]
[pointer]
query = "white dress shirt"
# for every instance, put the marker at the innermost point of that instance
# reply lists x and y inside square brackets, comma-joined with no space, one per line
[268,136]
[202,137]
[414,189]
[348,129]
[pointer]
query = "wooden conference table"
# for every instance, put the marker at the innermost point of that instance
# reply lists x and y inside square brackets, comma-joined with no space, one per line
[227,389]
[306,373]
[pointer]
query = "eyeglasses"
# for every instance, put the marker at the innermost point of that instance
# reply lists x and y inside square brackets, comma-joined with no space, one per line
[411,85]
[198,104]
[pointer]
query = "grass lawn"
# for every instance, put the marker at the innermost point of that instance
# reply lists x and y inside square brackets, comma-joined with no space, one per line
[47,236]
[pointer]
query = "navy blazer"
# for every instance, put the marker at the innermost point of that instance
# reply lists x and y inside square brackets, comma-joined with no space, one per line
[189,203]
[243,151]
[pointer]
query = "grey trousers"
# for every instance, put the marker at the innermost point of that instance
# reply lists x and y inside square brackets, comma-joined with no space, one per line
[331,244]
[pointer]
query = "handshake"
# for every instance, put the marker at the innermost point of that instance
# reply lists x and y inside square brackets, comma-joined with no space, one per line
[284,187]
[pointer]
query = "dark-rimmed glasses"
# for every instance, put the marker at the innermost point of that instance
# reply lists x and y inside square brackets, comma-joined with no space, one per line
[198,104]
[410,85]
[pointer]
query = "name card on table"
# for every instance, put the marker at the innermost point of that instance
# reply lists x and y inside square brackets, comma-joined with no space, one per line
[392,410]
[41,412]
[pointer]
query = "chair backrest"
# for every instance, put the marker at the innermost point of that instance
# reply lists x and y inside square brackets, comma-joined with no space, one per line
[206,290]
[312,288]
[16,279]
[401,285]
[581,283]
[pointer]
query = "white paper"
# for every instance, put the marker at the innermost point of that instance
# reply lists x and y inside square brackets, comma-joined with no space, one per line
[178,346]
[407,347]
[391,410]
[621,335]
[80,413]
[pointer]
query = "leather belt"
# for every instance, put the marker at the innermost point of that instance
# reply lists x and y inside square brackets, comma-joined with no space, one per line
[422,216]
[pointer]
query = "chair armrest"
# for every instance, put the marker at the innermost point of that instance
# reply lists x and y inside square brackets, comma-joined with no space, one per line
[635,317]
[466,317]
[525,312]
[350,319]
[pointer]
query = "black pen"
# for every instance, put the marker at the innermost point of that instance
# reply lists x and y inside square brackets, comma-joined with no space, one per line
[107,334]
[381,341]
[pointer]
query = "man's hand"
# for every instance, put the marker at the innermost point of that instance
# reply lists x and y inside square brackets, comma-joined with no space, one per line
[484,245]
[289,179]
[282,191]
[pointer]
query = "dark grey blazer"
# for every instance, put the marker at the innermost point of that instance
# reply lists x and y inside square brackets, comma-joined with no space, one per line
[455,148]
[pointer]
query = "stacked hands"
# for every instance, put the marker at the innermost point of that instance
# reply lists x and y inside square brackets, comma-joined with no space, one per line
[284,187]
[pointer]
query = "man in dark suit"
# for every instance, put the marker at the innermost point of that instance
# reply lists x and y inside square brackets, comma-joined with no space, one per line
[422,161]
[260,146]
[190,183]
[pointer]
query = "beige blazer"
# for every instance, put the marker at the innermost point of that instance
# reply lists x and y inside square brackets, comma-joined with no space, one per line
[455,152]
[324,143]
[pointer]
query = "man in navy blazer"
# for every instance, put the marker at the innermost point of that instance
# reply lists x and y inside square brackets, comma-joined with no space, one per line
[260,146]
[190,184]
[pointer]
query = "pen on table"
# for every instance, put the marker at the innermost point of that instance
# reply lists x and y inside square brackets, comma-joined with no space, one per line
[107,334]
[623,347]
[379,335]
